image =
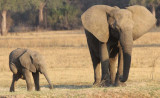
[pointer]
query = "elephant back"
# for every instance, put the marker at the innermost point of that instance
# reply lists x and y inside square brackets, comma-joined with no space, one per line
[14,63]
[143,20]
[94,20]
[15,54]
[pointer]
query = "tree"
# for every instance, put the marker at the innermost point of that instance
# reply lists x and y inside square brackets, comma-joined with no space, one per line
[63,14]
[40,4]
[153,4]
[57,14]
[53,8]
[11,5]
[5,6]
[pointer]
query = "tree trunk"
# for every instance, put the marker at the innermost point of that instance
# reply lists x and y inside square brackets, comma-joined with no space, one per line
[4,23]
[153,11]
[45,18]
[41,19]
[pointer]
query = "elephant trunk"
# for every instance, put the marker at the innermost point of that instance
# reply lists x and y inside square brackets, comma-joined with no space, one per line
[47,78]
[126,67]
[126,41]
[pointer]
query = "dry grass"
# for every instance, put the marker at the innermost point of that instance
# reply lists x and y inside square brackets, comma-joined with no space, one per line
[70,67]
[44,39]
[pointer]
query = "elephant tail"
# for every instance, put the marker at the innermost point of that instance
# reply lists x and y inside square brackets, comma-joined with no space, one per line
[13,68]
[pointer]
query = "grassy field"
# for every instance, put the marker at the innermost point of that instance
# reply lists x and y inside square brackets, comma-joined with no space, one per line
[70,67]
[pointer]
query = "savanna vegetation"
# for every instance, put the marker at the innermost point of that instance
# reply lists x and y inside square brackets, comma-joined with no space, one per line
[30,24]
[33,15]
[70,67]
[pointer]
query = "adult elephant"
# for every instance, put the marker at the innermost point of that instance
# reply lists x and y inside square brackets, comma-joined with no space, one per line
[111,31]
[24,63]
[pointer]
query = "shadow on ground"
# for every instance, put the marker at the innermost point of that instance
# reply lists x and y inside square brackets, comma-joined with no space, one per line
[147,45]
[69,86]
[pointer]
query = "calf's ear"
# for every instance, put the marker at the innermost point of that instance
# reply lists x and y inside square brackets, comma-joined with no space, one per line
[26,61]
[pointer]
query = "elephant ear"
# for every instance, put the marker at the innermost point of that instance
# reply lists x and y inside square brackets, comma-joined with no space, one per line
[143,20]
[95,21]
[26,61]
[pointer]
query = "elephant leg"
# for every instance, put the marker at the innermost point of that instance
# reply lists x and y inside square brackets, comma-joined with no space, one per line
[112,60]
[15,78]
[104,58]
[120,69]
[36,80]
[93,45]
[97,70]
[27,74]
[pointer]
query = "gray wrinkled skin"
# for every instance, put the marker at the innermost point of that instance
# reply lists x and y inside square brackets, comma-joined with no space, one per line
[110,33]
[24,64]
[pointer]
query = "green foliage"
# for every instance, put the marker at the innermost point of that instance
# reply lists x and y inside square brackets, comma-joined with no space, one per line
[15,5]
[7,4]
[145,2]
[139,2]
[54,4]
[63,16]
[25,18]
[58,14]
[36,3]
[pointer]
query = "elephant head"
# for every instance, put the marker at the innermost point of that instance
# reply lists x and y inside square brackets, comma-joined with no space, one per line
[129,23]
[34,62]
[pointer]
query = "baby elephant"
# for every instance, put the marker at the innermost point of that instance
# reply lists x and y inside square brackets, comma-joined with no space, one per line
[24,63]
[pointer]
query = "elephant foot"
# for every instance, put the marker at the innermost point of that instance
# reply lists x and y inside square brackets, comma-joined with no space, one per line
[96,84]
[12,90]
[29,88]
[103,83]
[51,87]
[37,89]
[121,84]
